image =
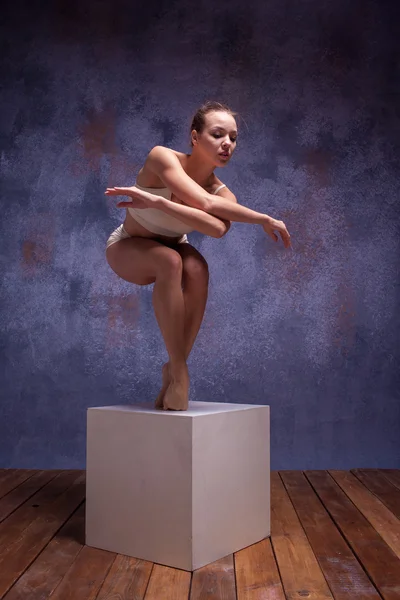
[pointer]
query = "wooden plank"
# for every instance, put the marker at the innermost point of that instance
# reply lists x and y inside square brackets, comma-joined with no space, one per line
[46,572]
[18,555]
[380,517]
[5,473]
[85,576]
[393,475]
[379,485]
[257,576]
[344,574]
[21,518]
[215,581]
[299,570]
[168,584]
[128,578]
[13,479]
[23,492]
[380,562]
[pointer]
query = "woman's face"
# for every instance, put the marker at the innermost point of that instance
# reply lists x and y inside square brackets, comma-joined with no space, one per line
[217,141]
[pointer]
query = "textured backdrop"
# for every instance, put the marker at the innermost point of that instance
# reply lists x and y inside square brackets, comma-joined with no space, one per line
[87,90]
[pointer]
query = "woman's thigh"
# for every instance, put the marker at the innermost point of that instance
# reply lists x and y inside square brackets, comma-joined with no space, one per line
[140,260]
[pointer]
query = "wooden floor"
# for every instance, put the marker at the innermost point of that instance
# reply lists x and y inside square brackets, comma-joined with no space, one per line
[335,534]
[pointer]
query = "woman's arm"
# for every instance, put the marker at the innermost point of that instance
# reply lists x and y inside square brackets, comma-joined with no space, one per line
[167,166]
[195,218]
[198,219]
[164,163]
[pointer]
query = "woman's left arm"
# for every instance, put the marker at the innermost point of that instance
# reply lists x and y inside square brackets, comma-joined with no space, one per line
[230,197]
[194,217]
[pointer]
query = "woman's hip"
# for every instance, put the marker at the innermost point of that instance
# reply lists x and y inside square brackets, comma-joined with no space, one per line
[120,233]
[117,235]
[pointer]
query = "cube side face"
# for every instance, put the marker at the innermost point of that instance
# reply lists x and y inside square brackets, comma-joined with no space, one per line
[231,482]
[139,488]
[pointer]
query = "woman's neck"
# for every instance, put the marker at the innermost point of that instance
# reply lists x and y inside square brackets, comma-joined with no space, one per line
[198,169]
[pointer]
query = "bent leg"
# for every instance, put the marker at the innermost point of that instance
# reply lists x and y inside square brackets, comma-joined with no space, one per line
[143,261]
[195,279]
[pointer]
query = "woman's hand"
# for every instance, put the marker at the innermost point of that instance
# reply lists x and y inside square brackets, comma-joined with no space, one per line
[272,225]
[138,198]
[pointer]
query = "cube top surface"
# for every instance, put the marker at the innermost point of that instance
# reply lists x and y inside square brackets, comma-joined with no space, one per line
[195,408]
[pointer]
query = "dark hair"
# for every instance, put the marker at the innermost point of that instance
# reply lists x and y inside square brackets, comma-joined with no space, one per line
[198,121]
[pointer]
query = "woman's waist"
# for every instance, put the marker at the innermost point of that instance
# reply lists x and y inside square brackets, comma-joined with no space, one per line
[157,222]
[135,229]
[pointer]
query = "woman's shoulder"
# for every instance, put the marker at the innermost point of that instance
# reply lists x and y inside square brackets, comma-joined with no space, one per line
[163,151]
[214,183]
[222,188]
[146,176]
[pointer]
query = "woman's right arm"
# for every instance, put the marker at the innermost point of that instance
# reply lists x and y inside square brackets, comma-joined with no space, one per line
[166,165]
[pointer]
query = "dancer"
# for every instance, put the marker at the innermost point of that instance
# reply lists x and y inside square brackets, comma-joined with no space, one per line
[176,193]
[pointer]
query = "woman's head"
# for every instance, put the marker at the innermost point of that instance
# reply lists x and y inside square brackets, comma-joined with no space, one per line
[214,132]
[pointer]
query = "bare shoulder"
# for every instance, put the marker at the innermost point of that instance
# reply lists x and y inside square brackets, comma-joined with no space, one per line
[225,192]
[159,157]
[181,156]
[165,155]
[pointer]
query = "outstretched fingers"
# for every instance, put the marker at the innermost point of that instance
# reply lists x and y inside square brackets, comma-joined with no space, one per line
[118,191]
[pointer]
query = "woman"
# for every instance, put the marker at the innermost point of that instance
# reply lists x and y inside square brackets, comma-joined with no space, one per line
[176,193]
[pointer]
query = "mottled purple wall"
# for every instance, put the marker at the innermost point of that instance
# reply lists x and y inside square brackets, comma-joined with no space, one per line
[87,90]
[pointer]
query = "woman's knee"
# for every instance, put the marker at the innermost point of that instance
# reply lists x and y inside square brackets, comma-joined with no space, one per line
[195,267]
[169,264]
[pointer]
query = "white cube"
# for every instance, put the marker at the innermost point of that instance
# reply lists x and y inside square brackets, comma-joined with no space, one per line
[181,489]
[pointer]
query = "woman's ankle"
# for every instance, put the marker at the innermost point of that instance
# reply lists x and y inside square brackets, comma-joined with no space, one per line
[177,368]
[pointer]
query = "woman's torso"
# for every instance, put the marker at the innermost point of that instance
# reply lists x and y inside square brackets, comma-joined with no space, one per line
[146,178]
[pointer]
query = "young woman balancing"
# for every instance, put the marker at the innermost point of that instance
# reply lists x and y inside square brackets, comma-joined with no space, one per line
[176,193]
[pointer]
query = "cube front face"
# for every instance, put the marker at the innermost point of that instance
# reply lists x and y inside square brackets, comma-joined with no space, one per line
[139,488]
[231,482]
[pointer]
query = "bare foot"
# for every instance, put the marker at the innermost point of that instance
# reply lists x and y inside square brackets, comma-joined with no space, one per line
[177,394]
[165,383]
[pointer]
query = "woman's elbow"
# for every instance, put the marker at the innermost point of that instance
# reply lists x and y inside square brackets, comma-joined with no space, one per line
[223,229]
